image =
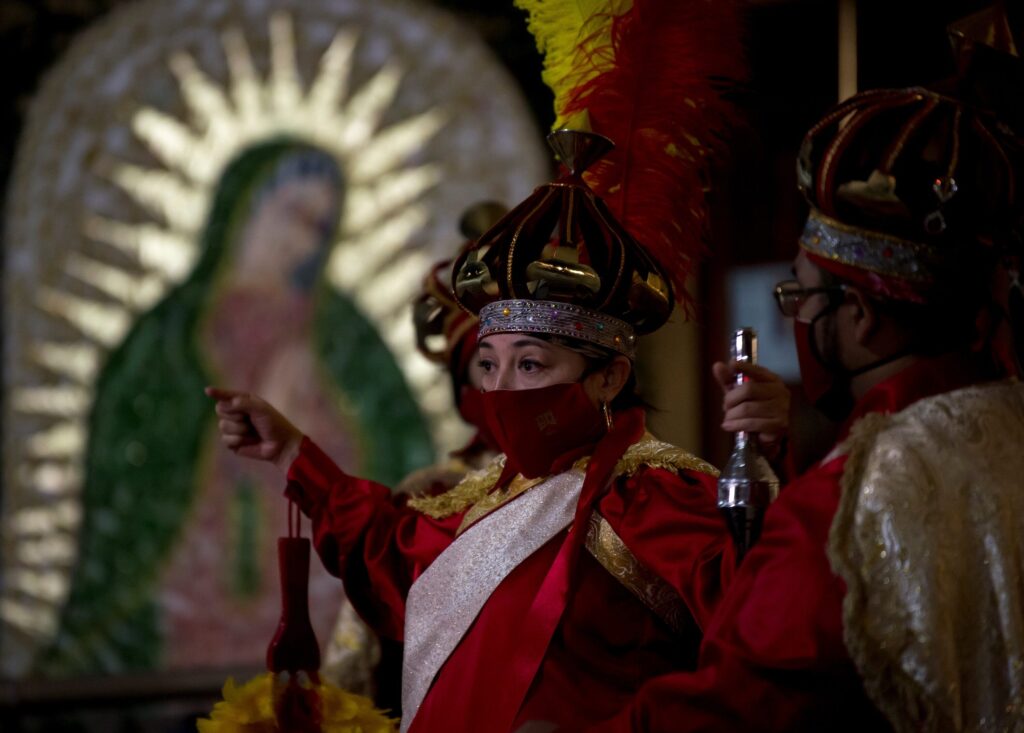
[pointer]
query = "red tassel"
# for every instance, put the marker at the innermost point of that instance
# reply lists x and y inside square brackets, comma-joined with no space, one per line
[294,647]
[294,654]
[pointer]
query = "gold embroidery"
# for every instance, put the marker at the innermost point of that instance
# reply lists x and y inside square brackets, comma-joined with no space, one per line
[654,453]
[467,492]
[476,487]
[448,474]
[654,592]
[927,540]
[497,498]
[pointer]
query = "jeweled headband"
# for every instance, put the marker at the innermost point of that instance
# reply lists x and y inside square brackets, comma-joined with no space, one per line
[871,250]
[882,264]
[558,319]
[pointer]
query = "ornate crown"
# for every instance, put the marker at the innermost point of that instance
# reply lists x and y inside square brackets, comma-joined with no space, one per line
[439,321]
[560,263]
[910,191]
[442,327]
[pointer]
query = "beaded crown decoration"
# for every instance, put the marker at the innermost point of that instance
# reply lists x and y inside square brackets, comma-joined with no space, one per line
[911,191]
[441,325]
[439,321]
[560,263]
[558,319]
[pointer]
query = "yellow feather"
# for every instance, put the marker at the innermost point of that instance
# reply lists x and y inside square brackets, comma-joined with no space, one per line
[574,37]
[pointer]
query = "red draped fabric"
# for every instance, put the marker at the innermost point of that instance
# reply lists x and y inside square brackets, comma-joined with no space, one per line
[560,639]
[773,657]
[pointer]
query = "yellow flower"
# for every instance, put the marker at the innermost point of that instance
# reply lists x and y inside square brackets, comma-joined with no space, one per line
[250,709]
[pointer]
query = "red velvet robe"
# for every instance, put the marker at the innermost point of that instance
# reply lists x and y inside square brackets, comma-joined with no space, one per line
[773,658]
[606,642]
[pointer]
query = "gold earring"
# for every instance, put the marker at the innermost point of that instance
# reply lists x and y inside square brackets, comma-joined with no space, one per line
[607,415]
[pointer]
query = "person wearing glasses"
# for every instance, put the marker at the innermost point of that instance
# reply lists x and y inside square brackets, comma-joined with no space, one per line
[886,591]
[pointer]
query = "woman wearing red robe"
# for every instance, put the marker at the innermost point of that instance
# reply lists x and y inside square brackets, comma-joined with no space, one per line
[583,561]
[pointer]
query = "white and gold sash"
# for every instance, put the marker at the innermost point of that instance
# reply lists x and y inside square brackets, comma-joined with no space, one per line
[446,599]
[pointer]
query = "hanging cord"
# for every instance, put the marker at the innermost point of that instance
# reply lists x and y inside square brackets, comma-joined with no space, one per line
[294,520]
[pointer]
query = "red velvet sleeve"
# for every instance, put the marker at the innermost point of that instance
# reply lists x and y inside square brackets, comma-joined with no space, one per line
[366,536]
[670,522]
[773,657]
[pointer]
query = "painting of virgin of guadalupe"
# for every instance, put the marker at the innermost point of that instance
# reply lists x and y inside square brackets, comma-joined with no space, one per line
[253,315]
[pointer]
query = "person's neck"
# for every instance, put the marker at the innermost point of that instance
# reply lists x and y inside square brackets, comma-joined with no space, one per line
[956,361]
[860,384]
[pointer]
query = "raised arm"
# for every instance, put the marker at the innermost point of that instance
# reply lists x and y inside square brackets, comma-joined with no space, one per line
[362,533]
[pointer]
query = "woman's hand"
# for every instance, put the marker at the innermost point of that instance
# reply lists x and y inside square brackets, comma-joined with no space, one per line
[759,405]
[251,427]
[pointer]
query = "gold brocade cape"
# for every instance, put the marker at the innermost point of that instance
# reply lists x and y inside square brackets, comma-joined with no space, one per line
[477,496]
[929,538]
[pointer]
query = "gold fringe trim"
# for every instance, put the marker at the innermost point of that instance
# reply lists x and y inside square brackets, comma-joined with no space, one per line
[646,452]
[475,486]
[654,453]
[448,474]
[497,498]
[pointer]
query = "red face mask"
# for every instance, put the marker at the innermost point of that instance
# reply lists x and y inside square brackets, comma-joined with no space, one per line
[534,427]
[825,387]
[471,407]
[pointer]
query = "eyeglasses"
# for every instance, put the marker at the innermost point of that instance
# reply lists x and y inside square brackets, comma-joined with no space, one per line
[791,296]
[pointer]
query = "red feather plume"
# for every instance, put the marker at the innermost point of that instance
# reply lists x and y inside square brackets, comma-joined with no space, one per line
[661,103]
